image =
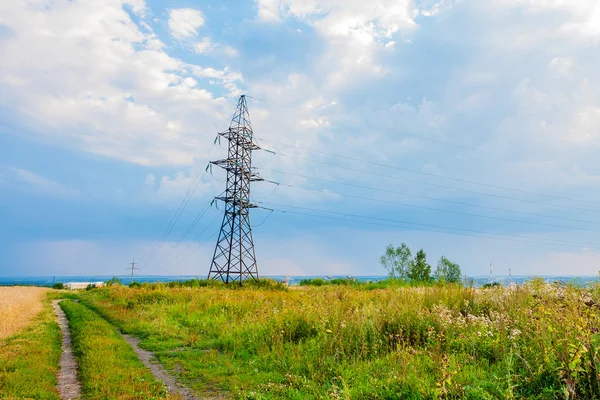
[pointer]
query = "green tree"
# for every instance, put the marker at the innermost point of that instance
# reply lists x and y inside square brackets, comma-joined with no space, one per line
[397,261]
[419,270]
[447,271]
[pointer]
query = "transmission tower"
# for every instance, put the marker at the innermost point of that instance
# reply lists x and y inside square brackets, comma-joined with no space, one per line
[133,268]
[234,259]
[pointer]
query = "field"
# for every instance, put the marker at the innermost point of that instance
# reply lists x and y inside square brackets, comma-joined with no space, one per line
[18,306]
[537,341]
[108,366]
[29,357]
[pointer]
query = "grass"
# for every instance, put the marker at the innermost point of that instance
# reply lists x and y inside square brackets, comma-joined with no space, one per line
[29,359]
[108,366]
[536,341]
[18,307]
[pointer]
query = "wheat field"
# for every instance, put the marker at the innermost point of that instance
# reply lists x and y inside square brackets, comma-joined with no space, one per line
[18,306]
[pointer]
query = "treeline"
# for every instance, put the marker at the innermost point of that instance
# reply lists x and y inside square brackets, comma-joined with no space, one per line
[401,264]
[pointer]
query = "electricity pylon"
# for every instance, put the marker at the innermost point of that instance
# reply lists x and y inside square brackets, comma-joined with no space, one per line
[234,259]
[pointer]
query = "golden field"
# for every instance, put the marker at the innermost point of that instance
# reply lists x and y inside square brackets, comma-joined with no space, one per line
[18,306]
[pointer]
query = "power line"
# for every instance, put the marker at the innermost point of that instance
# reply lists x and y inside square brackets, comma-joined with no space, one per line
[424,197]
[420,137]
[196,249]
[432,174]
[185,233]
[428,208]
[472,233]
[184,202]
[434,184]
[178,259]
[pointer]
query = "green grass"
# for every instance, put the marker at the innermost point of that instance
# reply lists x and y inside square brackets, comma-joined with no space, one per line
[108,366]
[29,360]
[538,341]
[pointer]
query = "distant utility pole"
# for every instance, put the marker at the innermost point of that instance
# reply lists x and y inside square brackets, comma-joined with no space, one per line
[234,259]
[133,268]
[491,274]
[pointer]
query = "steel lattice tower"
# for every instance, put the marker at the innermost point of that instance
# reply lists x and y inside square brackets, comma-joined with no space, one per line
[234,259]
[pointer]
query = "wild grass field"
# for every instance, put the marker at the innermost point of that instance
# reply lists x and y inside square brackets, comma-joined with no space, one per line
[536,341]
[108,366]
[29,356]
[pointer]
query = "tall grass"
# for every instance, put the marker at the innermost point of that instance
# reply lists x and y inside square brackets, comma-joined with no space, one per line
[29,360]
[535,341]
[108,366]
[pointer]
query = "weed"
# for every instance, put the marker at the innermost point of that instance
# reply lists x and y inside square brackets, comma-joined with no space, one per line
[384,340]
[29,359]
[108,366]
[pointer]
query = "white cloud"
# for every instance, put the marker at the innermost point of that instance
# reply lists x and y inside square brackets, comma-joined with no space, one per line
[150,179]
[114,89]
[561,65]
[41,184]
[178,186]
[230,51]
[354,31]
[184,22]
[268,10]
[206,46]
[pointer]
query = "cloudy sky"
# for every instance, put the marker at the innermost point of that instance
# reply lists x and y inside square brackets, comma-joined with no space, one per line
[468,128]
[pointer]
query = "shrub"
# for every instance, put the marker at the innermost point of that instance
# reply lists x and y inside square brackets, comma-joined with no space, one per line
[264,283]
[113,281]
[312,282]
[491,285]
[58,285]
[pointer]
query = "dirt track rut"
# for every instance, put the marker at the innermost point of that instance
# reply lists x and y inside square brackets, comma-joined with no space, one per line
[68,385]
[157,369]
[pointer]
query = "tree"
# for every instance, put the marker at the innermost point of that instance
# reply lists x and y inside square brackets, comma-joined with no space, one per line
[397,261]
[420,271]
[447,271]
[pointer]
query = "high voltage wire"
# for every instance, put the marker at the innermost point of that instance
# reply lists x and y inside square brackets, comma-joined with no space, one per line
[428,208]
[431,174]
[434,184]
[425,197]
[184,202]
[454,144]
[184,235]
[196,249]
[177,259]
[472,233]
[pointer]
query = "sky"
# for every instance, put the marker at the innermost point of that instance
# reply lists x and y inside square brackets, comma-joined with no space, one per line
[467,128]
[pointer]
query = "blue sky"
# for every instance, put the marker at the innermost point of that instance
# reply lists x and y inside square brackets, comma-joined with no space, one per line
[108,111]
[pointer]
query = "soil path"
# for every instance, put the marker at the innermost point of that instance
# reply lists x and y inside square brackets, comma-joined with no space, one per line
[149,360]
[68,386]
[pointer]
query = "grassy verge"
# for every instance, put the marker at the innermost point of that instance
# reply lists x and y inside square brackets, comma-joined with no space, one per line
[536,341]
[29,360]
[108,367]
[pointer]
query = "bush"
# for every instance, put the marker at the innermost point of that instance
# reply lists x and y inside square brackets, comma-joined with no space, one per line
[135,285]
[113,281]
[491,285]
[312,282]
[90,286]
[59,286]
[264,283]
